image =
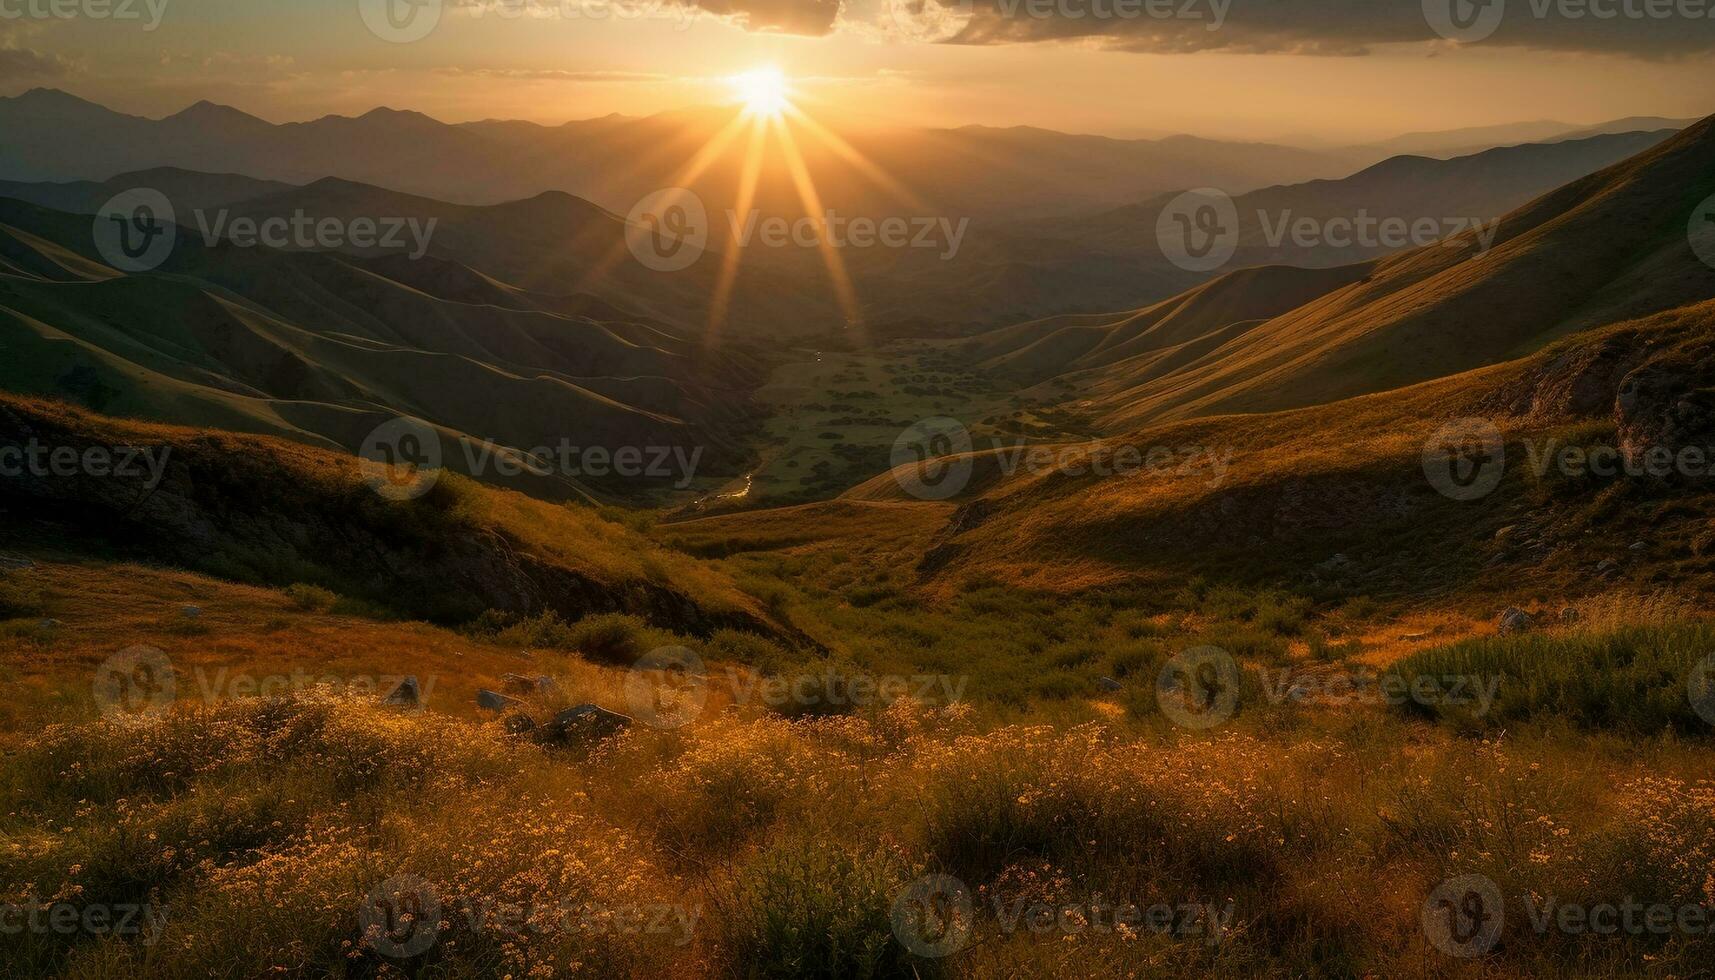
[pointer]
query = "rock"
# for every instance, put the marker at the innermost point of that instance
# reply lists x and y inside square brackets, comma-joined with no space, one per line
[407,694]
[1414,637]
[588,723]
[1640,546]
[191,612]
[10,564]
[1297,694]
[495,701]
[1505,532]
[1607,564]
[519,684]
[1110,685]
[1513,621]
[518,724]
[49,624]
[1568,616]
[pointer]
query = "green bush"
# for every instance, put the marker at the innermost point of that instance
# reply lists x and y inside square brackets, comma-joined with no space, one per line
[817,909]
[1635,679]
[311,598]
[20,597]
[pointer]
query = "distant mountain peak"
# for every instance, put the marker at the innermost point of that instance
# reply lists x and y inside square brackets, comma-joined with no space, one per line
[206,113]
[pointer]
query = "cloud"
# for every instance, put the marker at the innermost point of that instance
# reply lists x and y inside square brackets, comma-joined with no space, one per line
[1653,29]
[19,62]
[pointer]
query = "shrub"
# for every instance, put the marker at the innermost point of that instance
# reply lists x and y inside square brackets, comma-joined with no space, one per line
[819,909]
[20,596]
[1632,679]
[311,598]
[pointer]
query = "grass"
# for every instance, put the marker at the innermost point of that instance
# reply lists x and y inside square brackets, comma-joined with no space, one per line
[1632,679]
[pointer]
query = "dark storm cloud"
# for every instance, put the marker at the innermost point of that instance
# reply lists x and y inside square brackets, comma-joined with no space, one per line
[1637,28]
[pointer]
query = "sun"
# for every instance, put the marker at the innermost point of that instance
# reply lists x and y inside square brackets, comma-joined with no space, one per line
[764,91]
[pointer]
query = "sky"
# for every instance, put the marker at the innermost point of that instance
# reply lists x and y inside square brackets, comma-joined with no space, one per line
[1309,71]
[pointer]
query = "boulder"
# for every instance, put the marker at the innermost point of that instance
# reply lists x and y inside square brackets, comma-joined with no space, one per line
[408,694]
[10,564]
[519,724]
[1110,685]
[191,612]
[588,723]
[495,701]
[1513,621]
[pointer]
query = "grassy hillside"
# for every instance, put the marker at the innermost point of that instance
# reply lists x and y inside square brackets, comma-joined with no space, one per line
[267,511]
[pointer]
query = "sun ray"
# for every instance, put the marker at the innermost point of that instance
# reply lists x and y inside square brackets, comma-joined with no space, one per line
[853,156]
[747,184]
[837,274]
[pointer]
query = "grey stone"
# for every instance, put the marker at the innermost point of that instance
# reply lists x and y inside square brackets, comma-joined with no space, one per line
[495,701]
[191,612]
[588,723]
[1514,620]
[407,694]
[10,564]
[519,684]
[1110,685]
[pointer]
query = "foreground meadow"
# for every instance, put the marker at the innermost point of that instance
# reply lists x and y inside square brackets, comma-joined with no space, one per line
[309,830]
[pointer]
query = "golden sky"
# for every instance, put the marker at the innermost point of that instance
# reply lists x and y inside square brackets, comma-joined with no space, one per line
[1343,78]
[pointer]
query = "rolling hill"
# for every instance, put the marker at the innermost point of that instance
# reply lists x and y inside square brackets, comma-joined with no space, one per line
[323,347]
[1608,247]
